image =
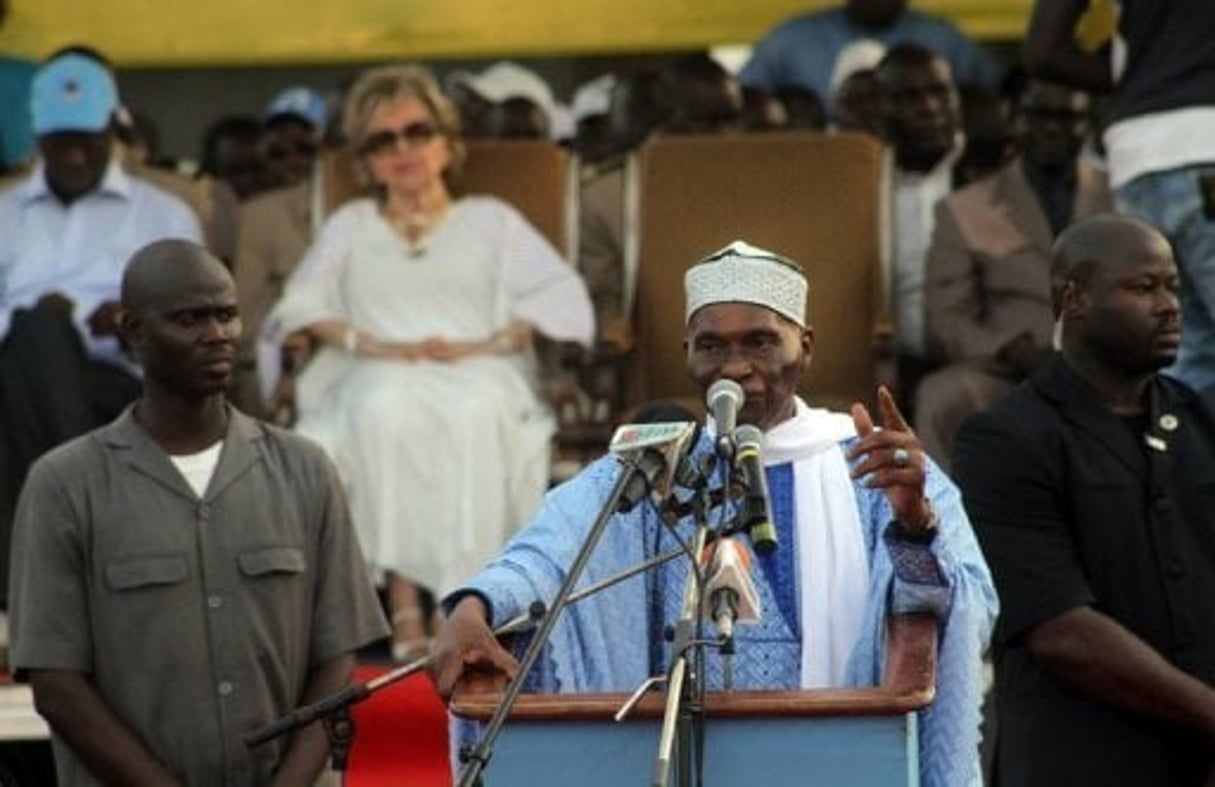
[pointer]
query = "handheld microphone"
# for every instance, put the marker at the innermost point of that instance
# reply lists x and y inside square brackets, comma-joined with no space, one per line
[729,592]
[756,512]
[653,451]
[724,398]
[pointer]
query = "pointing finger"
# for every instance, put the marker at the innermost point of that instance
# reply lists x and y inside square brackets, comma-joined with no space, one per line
[892,418]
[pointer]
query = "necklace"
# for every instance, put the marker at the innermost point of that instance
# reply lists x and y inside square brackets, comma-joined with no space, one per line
[415,231]
[415,228]
[416,224]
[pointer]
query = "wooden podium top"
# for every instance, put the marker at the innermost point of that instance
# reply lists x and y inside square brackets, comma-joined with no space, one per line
[909,684]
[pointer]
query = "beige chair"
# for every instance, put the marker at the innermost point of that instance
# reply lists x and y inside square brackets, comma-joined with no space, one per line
[337,179]
[540,179]
[816,198]
[537,177]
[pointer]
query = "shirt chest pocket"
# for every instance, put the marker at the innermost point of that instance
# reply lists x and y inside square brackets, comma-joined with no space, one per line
[134,573]
[272,561]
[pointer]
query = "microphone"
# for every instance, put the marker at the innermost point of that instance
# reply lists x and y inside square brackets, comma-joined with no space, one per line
[723,399]
[756,512]
[653,451]
[729,592]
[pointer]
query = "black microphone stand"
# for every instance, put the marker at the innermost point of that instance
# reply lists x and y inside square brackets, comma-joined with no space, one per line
[633,484]
[683,719]
[332,709]
[684,713]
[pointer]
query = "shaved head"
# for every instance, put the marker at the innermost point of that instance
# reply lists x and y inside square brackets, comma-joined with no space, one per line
[1114,289]
[1106,239]
[180,320]
[163,269]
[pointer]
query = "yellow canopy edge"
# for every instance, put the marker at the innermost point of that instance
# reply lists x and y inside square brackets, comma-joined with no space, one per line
[249,32]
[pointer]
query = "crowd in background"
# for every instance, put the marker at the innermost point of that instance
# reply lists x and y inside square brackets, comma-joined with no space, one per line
[989,167]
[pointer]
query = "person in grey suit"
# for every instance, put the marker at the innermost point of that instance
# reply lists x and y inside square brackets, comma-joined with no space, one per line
[1092,489]
[987,290]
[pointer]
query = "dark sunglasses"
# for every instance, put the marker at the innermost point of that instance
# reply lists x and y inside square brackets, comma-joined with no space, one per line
[416,135]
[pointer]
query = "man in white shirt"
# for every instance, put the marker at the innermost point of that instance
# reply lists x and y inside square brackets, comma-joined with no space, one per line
[68,230]
[920,120]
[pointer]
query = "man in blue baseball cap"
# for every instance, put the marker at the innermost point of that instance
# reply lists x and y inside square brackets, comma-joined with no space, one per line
[69,229]
[295,124]
[72,105]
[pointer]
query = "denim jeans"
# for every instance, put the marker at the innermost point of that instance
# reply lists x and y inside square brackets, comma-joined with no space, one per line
[1172,202]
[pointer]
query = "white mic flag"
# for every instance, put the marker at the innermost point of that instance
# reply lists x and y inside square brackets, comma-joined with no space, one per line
[730,594]
[655,450]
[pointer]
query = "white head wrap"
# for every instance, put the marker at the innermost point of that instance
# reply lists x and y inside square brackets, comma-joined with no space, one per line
[742,273]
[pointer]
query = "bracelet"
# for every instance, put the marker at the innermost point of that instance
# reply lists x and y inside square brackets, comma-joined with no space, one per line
[350,340]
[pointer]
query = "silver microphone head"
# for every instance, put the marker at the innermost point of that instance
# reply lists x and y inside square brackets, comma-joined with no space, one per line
[724,399]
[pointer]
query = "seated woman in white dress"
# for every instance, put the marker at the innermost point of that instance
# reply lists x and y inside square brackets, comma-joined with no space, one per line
[423,308]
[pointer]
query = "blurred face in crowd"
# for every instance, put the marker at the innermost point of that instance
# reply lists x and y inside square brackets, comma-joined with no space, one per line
[875,14]
[755,347]
[405,150]
[290,147]
[803,109]
[636,109]
[472,108]
[858,103]
[592,138]
[1052,123]
[75,161]
[920,111]
[238,161]
[516,118]
[705,106]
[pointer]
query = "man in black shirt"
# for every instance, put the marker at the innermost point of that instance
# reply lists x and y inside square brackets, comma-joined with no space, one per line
[1092,489]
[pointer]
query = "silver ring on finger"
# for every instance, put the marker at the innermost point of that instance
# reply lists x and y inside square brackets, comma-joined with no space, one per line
[901,457]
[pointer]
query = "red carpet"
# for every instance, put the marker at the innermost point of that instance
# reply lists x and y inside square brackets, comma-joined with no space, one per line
[400,736]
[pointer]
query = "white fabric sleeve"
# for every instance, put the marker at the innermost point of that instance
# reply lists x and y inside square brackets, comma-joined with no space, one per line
[543,288]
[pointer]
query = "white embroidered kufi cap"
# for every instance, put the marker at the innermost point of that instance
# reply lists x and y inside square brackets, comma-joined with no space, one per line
[742,273]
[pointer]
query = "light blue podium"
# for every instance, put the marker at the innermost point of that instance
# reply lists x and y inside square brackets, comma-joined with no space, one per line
[827,738]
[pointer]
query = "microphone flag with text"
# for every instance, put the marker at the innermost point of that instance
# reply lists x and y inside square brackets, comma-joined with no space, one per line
[730,596]
[654,451]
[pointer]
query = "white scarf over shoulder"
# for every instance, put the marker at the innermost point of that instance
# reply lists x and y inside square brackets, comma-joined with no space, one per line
[832,560]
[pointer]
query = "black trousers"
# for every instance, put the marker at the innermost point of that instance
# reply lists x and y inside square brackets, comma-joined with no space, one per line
[50,392]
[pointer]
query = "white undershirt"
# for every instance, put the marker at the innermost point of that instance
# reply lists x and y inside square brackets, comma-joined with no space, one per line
[1159,142]
[198,468]
[915,197]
